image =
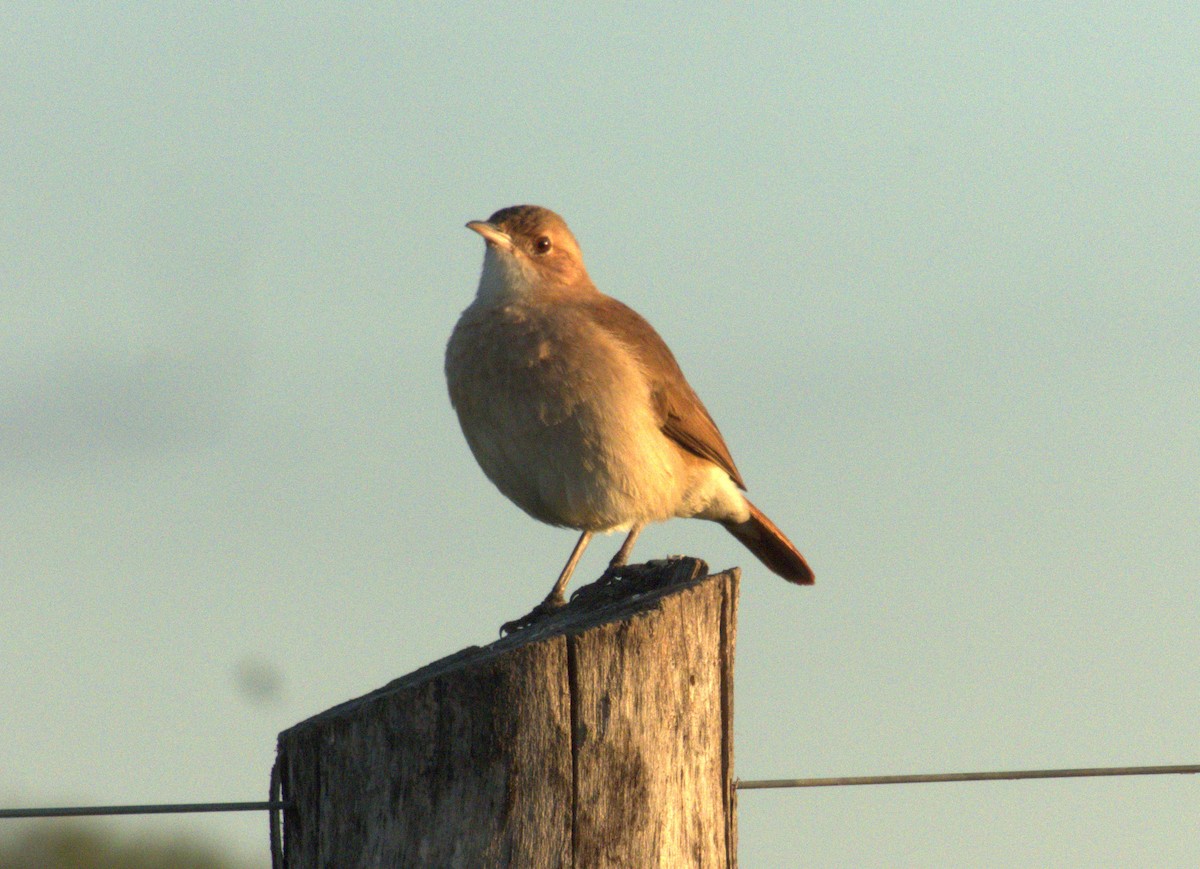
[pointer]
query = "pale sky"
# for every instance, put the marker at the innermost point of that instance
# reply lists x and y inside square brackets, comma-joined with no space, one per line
[934,271]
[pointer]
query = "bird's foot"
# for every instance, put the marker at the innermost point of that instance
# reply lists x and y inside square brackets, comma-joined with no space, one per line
[610,586]
[546,608]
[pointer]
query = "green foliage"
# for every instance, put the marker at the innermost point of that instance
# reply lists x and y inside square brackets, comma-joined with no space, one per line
[46,845]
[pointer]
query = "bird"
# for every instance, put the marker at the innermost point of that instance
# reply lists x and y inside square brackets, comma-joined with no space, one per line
[578,412]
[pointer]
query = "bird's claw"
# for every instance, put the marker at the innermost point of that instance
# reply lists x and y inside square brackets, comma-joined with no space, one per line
[546,608]
[608,587]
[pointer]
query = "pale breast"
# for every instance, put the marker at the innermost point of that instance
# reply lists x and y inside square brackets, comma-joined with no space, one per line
[559,417]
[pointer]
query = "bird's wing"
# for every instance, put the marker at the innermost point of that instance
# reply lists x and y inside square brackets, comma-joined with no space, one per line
[682,415]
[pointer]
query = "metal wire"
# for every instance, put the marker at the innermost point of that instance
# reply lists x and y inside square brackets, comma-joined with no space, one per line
[741,784]
[930,778]
[164,809]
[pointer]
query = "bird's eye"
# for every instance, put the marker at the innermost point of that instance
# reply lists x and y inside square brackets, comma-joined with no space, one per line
[542,245]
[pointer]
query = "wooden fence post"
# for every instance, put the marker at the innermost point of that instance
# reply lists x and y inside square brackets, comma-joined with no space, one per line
[601,737]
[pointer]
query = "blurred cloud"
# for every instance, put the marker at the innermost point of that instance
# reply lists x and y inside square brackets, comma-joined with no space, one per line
[259,681]
[92,407]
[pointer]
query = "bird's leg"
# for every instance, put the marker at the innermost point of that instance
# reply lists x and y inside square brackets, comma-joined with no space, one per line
[555,599]
[626,549]
[614,573]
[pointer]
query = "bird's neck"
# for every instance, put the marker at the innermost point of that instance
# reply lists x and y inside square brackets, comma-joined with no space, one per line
[506,280]
[503,280]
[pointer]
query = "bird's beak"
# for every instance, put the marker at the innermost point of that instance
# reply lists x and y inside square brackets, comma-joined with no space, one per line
[493,236]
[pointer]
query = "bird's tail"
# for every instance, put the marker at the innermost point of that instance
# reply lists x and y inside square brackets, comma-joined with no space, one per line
[768,543]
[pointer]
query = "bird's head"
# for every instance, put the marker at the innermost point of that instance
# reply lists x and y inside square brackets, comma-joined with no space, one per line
[530,252]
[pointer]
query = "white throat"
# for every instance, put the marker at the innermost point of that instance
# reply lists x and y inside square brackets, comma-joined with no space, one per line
[505,277]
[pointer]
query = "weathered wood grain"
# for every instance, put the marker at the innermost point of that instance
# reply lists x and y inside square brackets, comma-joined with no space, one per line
[601,737]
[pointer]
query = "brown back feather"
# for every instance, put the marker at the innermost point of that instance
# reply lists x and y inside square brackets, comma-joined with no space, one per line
[682,415]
